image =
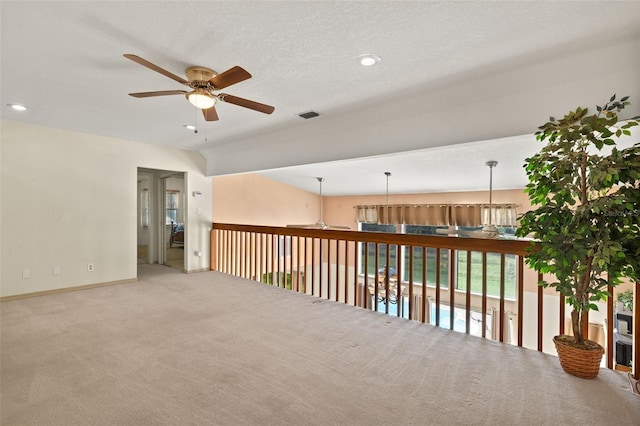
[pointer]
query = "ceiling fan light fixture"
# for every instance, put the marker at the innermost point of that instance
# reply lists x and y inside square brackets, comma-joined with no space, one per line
[202,99]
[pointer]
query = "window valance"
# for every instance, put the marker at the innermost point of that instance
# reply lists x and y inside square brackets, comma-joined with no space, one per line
[439,214]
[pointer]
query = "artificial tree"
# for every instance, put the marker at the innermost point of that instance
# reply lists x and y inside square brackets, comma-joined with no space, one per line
[586,218]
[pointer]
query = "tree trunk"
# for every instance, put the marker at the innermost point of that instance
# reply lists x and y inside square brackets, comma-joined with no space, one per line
[576,323]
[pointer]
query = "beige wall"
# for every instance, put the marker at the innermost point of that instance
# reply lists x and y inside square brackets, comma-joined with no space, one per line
[255,200]
[250,199]
[69,199]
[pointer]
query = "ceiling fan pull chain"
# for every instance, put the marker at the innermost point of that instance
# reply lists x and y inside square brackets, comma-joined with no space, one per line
[195,120]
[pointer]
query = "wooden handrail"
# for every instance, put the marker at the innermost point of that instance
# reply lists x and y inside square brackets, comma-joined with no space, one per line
[473,244]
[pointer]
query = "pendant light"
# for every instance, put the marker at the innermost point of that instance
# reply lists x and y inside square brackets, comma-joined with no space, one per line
[490,227]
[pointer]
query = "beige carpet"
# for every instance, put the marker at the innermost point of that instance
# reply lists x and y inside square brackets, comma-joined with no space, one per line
[210,349]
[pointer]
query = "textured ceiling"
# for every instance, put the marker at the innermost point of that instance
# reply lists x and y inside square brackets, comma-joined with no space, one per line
[64,61]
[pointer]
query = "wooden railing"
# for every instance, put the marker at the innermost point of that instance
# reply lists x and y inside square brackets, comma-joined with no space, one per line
[327,264]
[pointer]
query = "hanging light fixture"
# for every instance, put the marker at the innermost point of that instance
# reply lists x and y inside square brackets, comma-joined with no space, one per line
[201,98]
[320,223]
[387,174]
[490,227]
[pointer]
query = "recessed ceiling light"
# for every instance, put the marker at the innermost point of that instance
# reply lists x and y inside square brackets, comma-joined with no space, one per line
[189,126]
[17,107]
[368,60]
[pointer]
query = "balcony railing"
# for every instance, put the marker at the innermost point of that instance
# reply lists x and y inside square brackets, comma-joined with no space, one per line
[336,265]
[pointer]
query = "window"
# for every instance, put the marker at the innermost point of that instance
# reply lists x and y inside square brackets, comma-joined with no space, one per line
[382,249]
[171,207]
[431,257]
[144,208]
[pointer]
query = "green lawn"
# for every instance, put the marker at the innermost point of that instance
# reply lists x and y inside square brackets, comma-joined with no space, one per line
[493,269]
[493,273]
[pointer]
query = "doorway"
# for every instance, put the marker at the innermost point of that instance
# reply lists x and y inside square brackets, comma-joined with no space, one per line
[161,214]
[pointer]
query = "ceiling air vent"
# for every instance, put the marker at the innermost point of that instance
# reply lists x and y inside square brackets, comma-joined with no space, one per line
[308,115]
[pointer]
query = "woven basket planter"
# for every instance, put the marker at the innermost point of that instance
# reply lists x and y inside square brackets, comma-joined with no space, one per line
[579,362]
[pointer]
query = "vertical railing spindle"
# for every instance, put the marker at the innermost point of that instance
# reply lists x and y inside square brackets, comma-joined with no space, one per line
[424,284]
[346,272]
[399,301]
[320,267]
[437,287]
[562,314]
[411,307]
[452,285]
[355,273]
[609,330]
[502,310]
[375,299]
[337,291]
[386,278]
[366,275]
[520,288]
[540,312]
[467,302]
[484,294]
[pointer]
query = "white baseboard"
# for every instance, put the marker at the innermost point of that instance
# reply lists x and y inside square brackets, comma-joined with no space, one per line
[66,289]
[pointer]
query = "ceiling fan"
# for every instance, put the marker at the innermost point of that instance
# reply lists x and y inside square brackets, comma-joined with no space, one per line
[203,82]
[488,231]
[320,223]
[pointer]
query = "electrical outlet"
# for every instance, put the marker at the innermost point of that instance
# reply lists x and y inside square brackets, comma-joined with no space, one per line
[56,270]
[90,267]
[26,274]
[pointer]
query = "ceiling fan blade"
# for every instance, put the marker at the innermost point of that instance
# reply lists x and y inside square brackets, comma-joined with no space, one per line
[210,114]
[156,68]
[158,93]
[319,225]
[231,76]
[472,234]
[446,231]
[246,103]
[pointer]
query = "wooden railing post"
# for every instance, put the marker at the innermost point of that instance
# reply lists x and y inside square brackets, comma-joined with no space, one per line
[540,310]
[636,328]
[609,331]
[213,249]
[452,286]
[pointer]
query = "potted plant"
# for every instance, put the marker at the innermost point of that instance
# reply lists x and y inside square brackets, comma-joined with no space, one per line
[586,196]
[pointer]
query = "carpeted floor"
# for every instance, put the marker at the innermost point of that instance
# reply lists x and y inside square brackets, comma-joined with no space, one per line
[210,349]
